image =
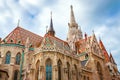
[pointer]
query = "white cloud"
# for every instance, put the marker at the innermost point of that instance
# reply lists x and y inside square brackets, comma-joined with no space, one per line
[35,16]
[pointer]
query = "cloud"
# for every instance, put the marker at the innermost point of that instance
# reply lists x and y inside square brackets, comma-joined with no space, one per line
[101,16]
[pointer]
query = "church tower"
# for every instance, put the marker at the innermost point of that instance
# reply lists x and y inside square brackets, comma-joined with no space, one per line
[74,33]
[51,29]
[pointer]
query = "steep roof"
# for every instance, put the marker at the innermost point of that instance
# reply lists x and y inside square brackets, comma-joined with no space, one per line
[82,44]
[19,36]
[52,43]
[104,51]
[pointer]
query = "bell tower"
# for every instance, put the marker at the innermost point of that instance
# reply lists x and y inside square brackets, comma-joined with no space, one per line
[74,32]
[51,29]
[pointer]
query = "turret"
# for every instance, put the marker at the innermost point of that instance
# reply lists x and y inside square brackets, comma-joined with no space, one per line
[51,31]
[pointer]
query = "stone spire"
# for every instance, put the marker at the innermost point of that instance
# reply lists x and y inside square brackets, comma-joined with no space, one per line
[51,29]
[74,33]
[72,18]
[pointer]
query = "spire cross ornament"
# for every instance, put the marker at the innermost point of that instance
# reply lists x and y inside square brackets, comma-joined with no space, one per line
[18,22]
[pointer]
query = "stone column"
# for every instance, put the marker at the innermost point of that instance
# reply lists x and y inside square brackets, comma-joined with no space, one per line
[65,70]
[11,72]
[62,73]
[55,73]
[12,60]
[41,73]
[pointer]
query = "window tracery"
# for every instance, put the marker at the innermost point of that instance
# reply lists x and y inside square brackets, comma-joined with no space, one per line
[48,69]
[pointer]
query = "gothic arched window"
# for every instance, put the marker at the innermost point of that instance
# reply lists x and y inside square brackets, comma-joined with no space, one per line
[37,70]
[48,69]
[99,69]
[18,58]
[59,63]
[7,59]
[16,75]
[76,72]
[68,71]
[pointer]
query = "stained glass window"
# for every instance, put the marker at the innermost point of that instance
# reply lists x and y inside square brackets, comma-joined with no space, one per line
[48,70]
[7,59]
[18,57]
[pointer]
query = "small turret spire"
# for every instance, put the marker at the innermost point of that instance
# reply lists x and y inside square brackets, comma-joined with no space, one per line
[18,23]
[72,18]
[51,29]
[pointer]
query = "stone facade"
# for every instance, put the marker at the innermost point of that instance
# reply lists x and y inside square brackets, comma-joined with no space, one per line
[3,75]
[27,56]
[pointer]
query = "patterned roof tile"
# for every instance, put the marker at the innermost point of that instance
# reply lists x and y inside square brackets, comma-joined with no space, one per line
[19,36]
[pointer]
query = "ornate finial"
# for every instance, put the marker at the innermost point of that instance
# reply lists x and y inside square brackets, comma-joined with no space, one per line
[51,14]
[18,22]
[46,28]
[71,7]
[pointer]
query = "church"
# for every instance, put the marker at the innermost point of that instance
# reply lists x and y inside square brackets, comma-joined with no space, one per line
[25,55]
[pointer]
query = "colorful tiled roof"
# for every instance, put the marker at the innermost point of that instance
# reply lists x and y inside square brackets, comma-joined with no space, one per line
[19,36]
[104,51]
[52,43]
[82,44]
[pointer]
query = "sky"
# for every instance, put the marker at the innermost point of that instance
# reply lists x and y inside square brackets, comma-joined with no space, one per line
[102,16]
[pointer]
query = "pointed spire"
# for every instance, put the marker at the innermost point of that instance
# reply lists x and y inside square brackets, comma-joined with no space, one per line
[51,29]
[85,36]
[18,23]
[72,18]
